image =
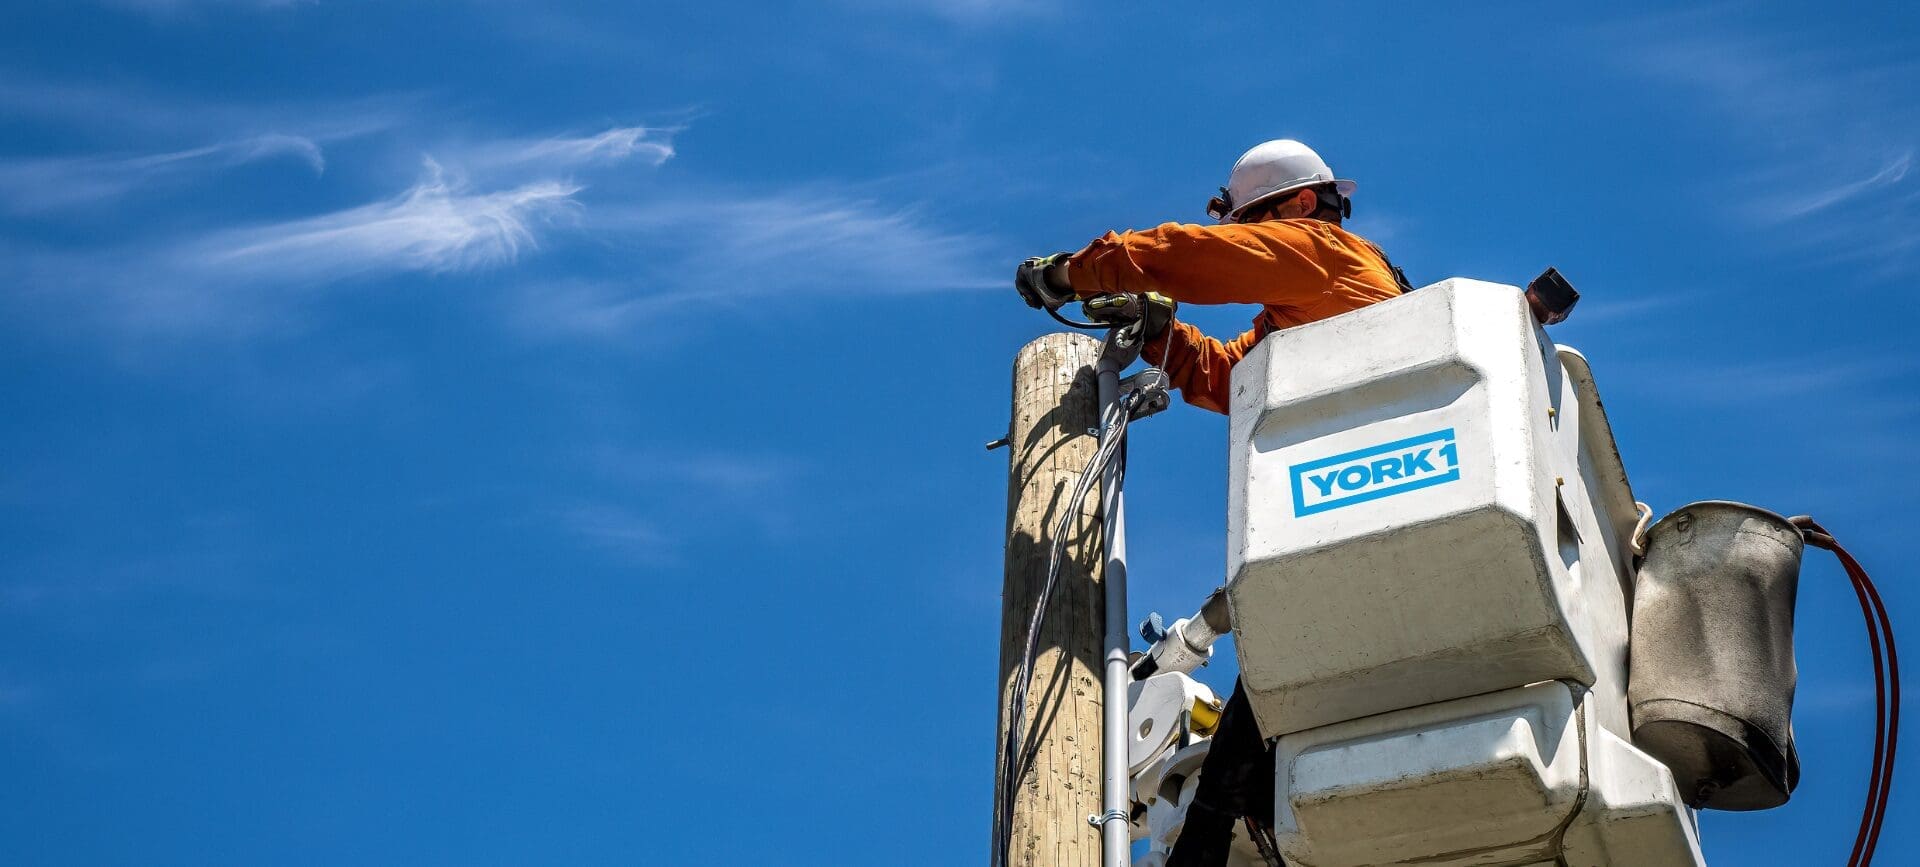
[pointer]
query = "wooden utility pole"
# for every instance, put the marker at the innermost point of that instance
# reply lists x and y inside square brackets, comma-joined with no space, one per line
[1054,407]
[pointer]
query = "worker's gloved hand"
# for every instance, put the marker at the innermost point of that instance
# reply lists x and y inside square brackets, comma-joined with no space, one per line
[1039,284]
[1152,311]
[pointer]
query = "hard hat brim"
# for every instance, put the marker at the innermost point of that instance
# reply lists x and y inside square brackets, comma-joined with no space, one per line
[1343,186]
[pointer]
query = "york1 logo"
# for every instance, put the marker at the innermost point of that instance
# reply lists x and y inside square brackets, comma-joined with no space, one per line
[1375,472]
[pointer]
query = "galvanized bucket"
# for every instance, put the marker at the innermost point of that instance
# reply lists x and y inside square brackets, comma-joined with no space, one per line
[1712,675]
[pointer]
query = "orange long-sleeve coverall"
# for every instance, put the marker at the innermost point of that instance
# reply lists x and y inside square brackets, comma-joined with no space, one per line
[1301,270]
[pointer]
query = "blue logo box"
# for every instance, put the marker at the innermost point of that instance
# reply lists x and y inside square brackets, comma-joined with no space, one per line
[1374,472]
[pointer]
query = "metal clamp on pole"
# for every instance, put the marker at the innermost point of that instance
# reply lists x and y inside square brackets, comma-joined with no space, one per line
[1153,392]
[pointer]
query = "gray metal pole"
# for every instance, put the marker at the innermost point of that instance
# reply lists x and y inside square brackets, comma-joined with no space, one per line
[1116,844]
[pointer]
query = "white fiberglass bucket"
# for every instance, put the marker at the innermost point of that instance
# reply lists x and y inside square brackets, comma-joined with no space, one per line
[1430,587]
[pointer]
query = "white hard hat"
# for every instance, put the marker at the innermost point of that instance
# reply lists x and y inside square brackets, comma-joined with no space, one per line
[1272,169]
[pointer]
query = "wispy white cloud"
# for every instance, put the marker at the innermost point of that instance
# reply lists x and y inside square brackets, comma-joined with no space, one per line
[133,111]
[822,244]
[719,250]
[256,148]
[729,473]
[621,531]
[489,203]
[972,12]
[16,695]
[490,207]
[822,240]
[571,308]
[165,7]
[210,555]
[1818,137]
[1613,310]
[722,248]
[125,140]
[247,281]
[1869,382]
[1813,199]
[437,225]
[41,184]
[441,223]
[655,499]
[651,145]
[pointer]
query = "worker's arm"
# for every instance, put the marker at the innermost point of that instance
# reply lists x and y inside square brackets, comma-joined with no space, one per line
[1200,366]
[1262,263]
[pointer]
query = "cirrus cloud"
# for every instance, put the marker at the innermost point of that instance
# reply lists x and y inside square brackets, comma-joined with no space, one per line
[437,225]
[38,185]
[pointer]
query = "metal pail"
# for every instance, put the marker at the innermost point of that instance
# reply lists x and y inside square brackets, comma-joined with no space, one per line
[1711,672]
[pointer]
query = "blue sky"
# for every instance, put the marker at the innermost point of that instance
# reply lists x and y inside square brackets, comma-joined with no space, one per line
[500,432]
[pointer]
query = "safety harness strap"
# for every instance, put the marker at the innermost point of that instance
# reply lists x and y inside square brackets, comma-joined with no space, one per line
[1399,276]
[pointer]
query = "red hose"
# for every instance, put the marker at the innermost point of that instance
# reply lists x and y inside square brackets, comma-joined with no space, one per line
[1886,691]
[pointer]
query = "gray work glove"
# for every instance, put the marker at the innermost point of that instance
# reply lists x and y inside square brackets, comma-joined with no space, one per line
[1039,289]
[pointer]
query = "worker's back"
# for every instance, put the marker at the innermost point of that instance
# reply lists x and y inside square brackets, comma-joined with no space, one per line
[1358,273]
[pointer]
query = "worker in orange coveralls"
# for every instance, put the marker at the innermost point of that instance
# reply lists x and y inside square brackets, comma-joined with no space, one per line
[1280,244]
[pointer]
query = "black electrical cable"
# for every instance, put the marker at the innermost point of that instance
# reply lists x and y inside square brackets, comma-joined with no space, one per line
[1075,323]
[1013,759]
